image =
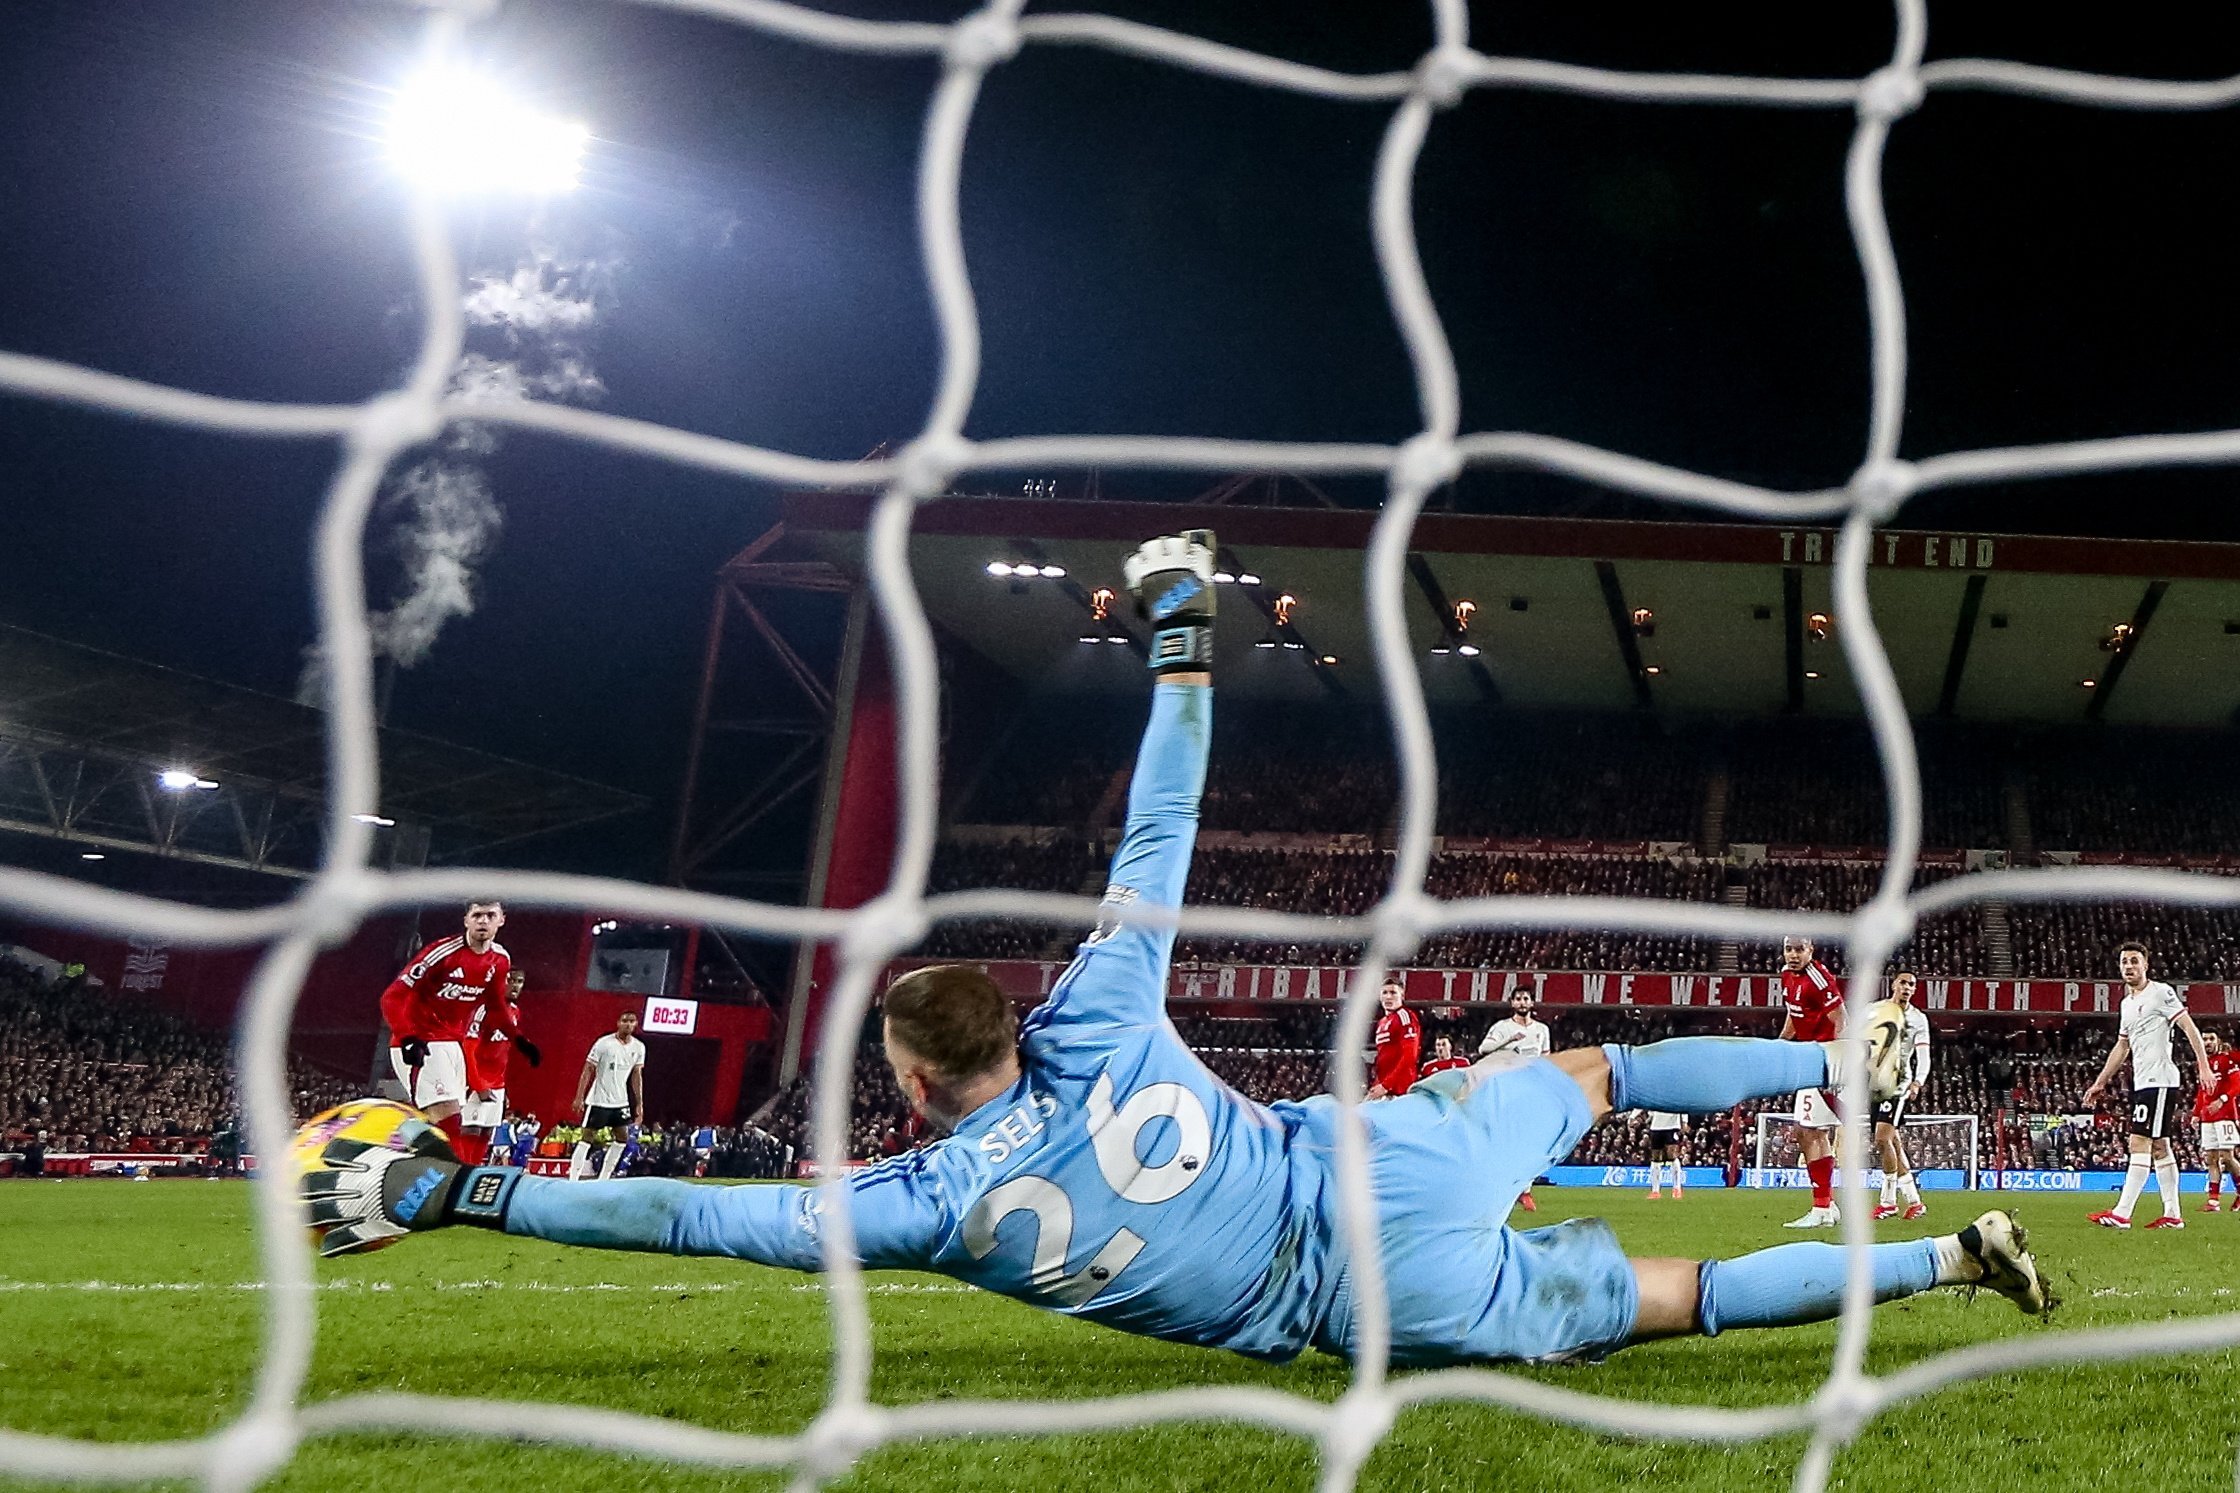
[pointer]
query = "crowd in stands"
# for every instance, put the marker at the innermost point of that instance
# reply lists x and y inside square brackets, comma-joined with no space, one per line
[86,1070]
[2048,940]
[1947,944]
[2080,938]
[2133,790]
[1049,865]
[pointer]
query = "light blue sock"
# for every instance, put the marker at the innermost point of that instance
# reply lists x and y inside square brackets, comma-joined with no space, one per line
[1794,1283]
[1703,1075]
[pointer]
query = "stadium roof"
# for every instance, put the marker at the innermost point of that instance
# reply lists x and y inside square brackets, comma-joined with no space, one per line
[63,705]
[1987,627]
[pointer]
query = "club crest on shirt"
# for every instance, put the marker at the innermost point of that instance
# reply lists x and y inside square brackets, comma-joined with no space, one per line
[1112,912]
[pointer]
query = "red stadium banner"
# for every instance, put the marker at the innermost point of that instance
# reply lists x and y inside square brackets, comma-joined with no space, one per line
[1030,980]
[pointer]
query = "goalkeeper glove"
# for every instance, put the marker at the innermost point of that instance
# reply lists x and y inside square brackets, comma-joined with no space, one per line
[415,1051]
[1172,578]
[363,1196]
[529,1051]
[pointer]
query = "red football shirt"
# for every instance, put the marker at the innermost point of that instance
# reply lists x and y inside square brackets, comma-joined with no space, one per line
[1815,1003]
[1441,1065]
[439,994]
[1399,1042]
[490,1045]
[2218,1101]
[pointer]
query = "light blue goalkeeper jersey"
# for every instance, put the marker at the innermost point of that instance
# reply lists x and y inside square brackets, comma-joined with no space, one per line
[1117,1180]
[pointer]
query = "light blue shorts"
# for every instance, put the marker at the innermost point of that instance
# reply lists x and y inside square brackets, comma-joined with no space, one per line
[1448,1160]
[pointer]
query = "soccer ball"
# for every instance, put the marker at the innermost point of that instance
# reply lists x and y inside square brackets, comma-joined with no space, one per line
[1886,1029]
[373,1122]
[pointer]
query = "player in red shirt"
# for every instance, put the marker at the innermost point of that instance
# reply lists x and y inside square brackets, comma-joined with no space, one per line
[2217,1106]
[1399,1042]
[489,1048]
[1815,1014]
[1443,1057]
[432,1002]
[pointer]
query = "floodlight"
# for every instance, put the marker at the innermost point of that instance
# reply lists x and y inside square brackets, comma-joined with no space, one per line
[999,567]
[178,779]
[1053,572]
[375,820]
[453,130]
[1468,650]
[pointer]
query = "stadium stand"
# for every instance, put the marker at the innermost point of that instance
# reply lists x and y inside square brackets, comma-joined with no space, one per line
[97,1073]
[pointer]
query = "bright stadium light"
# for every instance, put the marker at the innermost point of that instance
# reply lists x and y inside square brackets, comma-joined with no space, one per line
[999,567]
[375,820]
[453,130]
[178,779]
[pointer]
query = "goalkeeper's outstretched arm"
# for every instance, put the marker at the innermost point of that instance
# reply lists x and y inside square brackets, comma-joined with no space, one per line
[365,1196]
[1119,978]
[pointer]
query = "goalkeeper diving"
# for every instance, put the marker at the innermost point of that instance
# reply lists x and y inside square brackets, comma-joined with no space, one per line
[1094,1167]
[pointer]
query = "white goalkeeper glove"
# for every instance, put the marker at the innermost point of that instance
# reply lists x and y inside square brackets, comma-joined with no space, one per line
[1172,578]
[363,1196]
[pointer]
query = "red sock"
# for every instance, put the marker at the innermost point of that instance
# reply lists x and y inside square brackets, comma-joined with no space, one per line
[2216,1185]
[474,1147]
[449,1125]
[1823,1174]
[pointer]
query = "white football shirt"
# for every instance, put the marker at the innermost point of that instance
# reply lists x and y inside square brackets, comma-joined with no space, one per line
[1530,1040]
[611,1060]
[2146,1026]
[1917,1045]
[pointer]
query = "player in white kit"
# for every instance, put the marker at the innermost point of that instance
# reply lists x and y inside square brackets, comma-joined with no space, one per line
[1668,1134]
[2150,1009]
[1526,1037]
[1898,1187]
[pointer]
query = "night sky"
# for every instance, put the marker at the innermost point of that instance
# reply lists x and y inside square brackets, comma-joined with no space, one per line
[194,194]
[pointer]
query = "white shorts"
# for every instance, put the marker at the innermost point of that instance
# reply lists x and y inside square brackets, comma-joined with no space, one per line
[1814,1112]
[2220,1135]
[483,1114]
[443,1077]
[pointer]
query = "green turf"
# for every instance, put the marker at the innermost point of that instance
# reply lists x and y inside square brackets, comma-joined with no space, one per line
[739,1347]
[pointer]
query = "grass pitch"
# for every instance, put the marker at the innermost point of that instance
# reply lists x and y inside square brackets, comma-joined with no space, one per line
[130,1312]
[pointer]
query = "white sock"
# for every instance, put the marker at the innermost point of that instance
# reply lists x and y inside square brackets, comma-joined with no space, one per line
[579,1164]
[2166,1179]
[1955,1266]
[610,1160]
[1909,1188]
[1889,1188]
[1676,1178]
[2134,1183]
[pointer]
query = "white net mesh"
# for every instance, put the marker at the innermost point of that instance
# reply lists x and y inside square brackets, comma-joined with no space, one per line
[347,890]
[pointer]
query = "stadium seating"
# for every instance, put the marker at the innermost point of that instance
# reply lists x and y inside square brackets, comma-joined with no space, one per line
[103,1073]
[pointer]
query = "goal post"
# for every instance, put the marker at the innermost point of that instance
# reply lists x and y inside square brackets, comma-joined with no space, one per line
[1951,1144]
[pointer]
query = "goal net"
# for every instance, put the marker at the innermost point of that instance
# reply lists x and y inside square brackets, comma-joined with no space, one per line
[1948,1144]
[370,438]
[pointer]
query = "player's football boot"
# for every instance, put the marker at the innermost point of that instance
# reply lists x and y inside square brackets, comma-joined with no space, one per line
[1528,1204]
[2166,1221]
[1999,1244]
[2108,1220]
[2214,1206]
[1916,1210]
[1817,1218]
[1885,1210]
[1655,1193]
